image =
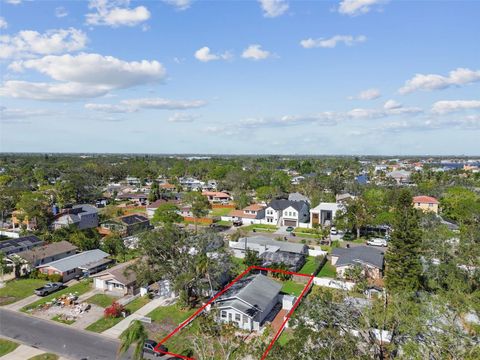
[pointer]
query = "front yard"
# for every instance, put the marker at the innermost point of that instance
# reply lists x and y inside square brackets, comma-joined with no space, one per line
[261,228]
[101,300]
[221,211]
[16,290]
[328,270]
[106,323]
[7,346]
[78,289]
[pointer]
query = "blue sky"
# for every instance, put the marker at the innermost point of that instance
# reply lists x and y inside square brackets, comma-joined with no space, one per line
[240,77]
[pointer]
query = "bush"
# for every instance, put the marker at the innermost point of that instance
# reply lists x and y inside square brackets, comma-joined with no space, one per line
[113,311]
[55,278]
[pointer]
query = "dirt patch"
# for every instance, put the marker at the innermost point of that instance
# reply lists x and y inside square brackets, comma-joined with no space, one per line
[7,300]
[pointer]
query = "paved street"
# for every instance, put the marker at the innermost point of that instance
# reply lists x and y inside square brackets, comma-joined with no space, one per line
[52,337]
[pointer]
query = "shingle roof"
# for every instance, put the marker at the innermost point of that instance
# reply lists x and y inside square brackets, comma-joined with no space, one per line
[256,290]
[11,246]
[42,252]
[280,245]
[83,259]
[359,255]
[121,273]
[425,199]
[282,204]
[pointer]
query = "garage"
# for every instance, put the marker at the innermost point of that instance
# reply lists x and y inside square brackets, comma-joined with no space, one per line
[290,223]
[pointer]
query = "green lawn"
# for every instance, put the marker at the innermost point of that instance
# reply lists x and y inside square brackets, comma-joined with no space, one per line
[106,323]
[7,346]
[221,211]
[46,356]
[328,270]
[224,223]
[18,289]
[60,320]
[310,265]
[261,227]
[239,265]
[171,313]
[292,288]
[77,289]
[101,300]
[285,337]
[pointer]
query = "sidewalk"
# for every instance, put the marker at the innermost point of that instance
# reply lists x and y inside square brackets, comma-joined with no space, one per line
[115,331]
[23,352]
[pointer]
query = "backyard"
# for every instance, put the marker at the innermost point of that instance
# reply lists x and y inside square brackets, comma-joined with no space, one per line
[16,290]
[328,270]
[310,265]
[291,287]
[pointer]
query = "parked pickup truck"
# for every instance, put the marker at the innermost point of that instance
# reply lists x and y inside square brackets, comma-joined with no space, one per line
[48,288]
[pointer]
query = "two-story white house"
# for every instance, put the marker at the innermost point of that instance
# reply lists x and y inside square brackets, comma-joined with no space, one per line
[283,212]
[248,302]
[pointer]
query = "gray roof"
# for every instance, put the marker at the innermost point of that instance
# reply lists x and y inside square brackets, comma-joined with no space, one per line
[292,260]
[44,251]
[258,291]
[12,246]
[282,204]
[273,244]
[359,255]
[298,197]
[81,260]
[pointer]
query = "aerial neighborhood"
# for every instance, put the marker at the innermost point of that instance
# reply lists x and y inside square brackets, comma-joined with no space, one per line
[236,253]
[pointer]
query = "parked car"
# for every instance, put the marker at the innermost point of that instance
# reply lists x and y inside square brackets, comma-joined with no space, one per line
[48,288]
[238,223]
[333,230]
[377,242]
[150,347]
[290,229]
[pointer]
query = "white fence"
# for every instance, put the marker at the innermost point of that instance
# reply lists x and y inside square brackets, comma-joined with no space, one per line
[317,252]
[10,234]
[334,284]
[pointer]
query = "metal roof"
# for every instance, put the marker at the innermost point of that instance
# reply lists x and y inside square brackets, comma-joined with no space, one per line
[271,244]
[81,260]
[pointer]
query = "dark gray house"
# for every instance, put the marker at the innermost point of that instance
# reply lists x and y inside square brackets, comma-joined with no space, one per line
[248,302]
[46,253]
[370,258]
[82,216]
[12,246]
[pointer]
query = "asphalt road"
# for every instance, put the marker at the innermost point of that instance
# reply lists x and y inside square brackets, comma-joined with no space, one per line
[49,336]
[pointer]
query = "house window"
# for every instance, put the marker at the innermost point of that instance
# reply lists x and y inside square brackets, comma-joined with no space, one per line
[223,314]
[294,213]
[237,317]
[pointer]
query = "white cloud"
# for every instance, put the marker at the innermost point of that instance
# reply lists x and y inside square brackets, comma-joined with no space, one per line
[61,12]
[183,118]
[81,76]
[332,42]
[205,55]
[273,8]
[361,113]
[391,104]
[255,52]
[448,106]
[116,13]
[3,23]
[457,77]
[369,94]
[321,119]
[28,43]
[358,7]
[179,4]
[15,114]
[96,69]
[133,105]
[13,2]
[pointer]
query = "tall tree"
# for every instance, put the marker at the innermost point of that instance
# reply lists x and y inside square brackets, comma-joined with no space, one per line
[199,204]
[403,267]
[166,214]
[134,335]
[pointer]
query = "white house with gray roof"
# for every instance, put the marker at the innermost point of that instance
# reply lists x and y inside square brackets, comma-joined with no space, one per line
[84,263]
[283,212]
[248,302]
[82,216]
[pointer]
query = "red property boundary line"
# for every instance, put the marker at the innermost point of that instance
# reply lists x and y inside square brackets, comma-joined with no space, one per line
[277,335]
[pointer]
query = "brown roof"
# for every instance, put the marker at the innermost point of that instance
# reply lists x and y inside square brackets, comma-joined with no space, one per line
[157,203]
[167,186]
[425,199]
[219,194]
[121,273]
[42,252]
[254,207]
[240,213]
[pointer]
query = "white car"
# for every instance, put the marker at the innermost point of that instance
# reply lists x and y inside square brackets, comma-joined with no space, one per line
[377,242]
[333,230]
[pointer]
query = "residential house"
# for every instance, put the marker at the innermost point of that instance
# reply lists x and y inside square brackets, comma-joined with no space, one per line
[324,214]
[119,280]
[81,264]
[210,185]
[248,302]
[344,198]
[82,216]
[283,212]
[13,246]
[426,203]
[369,258]
[296,196]
[271,251]
[43,254]
[134,181]
[190,184]
[217,197]
[167,187]
[296,180]
[400,176]
[252,214]
[138,198]
[127,225]
[152,207]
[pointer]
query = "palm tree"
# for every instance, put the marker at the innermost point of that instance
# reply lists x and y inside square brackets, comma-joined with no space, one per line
[136,335]
[203,267]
